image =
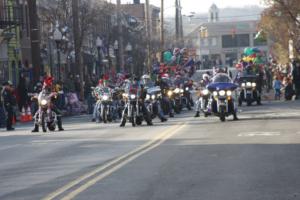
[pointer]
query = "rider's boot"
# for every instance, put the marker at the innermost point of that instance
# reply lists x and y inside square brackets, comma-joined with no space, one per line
[123,121]
[235,118]
[36,128]
[162,117]
[197,114]
[149,122]
[59,124]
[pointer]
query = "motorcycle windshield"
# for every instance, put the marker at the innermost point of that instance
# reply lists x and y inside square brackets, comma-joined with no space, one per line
[221,82]
[251,78]
[221,78]
[106,90]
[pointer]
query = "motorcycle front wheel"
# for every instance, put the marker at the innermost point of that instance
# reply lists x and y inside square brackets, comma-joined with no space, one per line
[133,118]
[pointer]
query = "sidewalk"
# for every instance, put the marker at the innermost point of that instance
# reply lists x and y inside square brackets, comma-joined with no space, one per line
[66,120]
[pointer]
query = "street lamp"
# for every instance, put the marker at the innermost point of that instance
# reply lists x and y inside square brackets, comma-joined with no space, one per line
[116,48]
[128,49]
[99,44]
[58,37]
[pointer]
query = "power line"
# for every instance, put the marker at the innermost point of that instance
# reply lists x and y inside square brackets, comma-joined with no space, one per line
[205,18]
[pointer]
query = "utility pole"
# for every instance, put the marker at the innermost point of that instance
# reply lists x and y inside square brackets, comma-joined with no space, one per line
[180,24]
[76,30]
[177,22]
[35,39]
[148,33]
[120,38]
[162,39]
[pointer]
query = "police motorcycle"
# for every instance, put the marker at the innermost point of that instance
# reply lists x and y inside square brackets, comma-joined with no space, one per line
[248,91]
[222,102]
[167,99]
[153,98]
[96,93]
[186,98]
[45,116]
[106,108]
[118,103]
[203,96]
[152,101]
[133,110]
[175,97]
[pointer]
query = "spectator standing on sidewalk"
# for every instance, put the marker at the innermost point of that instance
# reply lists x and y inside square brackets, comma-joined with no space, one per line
[296,77]
[2,111]
[88,94]
[288,90]
[277,87]
[9,101]
[22,92]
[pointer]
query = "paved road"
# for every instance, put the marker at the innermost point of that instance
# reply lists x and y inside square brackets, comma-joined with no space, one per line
[186,158]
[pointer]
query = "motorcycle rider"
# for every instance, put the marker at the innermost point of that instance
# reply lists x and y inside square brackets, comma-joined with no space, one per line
[147,83]
[141,97]
[47,91]
[164,86]
[203,83]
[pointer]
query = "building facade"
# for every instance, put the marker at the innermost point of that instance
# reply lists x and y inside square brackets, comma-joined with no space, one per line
[137,10]
[223,43]
[10,48]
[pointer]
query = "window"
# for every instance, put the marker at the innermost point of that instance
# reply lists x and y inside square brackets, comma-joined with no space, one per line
[213,41]
[238,40]
[205,42]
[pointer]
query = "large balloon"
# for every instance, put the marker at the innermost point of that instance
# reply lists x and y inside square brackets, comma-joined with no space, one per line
[248,51]
[256,50]
[258,60]
[167,57]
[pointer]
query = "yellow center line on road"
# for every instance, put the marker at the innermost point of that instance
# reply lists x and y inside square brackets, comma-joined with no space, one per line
[113,165]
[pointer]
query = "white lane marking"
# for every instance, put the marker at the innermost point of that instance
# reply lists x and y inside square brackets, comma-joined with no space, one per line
[253,134]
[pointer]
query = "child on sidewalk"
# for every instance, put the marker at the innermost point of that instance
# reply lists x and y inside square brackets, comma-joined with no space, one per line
[277,87]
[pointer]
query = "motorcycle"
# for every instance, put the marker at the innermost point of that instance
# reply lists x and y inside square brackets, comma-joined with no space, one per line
[152,101]
[44,116]
[248,93]
[176,100]
[132,110]
[106,108]
[186,98]
[204,100]
[222,101]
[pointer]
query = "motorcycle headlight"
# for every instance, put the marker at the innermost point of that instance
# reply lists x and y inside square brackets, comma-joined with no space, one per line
[222,93]
[105,97]
[186,89]
[253,84]
[147,97]
[215,93]
[153,97]
[205,92]
[181,90]
[170,93]
[243,85]
[177,90]
[229,93]
[132,96]
[44,102]
[248,84]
